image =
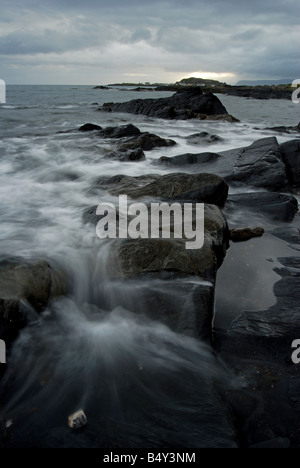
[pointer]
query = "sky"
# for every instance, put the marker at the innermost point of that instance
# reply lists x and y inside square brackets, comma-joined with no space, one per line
[101,42]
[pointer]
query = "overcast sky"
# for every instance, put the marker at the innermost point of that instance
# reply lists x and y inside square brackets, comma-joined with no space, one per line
[100,42]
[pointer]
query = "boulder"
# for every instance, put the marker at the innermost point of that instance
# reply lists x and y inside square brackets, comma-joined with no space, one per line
[188,159]
[89,127]
[276,205]
[260,165]
[290,152]
[203,137]
[120,131]
[146,141]
[141,256]
[183,293]
[185,104]
[25,288]
[125,156]
[244,234]
[205,188]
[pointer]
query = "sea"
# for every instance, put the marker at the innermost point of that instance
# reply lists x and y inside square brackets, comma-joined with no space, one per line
[141,384]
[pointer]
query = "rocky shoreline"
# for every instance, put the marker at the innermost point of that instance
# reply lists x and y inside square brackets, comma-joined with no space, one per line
[265,175]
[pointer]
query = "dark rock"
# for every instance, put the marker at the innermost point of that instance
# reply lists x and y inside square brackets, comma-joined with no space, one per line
[101,87]
[260,165]
[25,287]
[139,89]
[201,137]
[106,106]
[256,92]
[244,234]
[120,132]
[169,259]
[258,346]
[277,205]
[283,129]
[125,156]
[185,104]
[205,188]
[188,159]
[88,127]
[290,152]
[183,303]
[146,141]
[155,255]
[278,442]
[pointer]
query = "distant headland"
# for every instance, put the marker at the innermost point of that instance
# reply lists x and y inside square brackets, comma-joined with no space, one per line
[281,89]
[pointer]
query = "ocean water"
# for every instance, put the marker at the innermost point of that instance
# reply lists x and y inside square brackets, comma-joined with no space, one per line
[129,373]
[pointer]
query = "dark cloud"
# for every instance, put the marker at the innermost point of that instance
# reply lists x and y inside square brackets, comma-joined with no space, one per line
[160,40]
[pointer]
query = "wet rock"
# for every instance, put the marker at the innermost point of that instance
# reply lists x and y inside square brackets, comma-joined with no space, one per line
[147,142]
[89,127]
[283,129]
[203,137]
[258,346]
[244,234]
[121,131]
[277,205]
[290,152]
[155,255]
[206,188]
[259,331]
[185,104]
[26,288]
[188,159]
[183,303]
[260,165]
[125,156]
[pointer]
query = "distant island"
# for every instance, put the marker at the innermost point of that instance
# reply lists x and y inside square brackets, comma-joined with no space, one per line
[280,89]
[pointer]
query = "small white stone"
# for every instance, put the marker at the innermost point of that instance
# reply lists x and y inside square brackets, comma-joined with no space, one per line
[77,420]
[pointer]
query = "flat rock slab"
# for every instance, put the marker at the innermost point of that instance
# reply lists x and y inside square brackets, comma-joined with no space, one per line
[205,188]
[276,205]
[278,326]
[187,159]
[260,165]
